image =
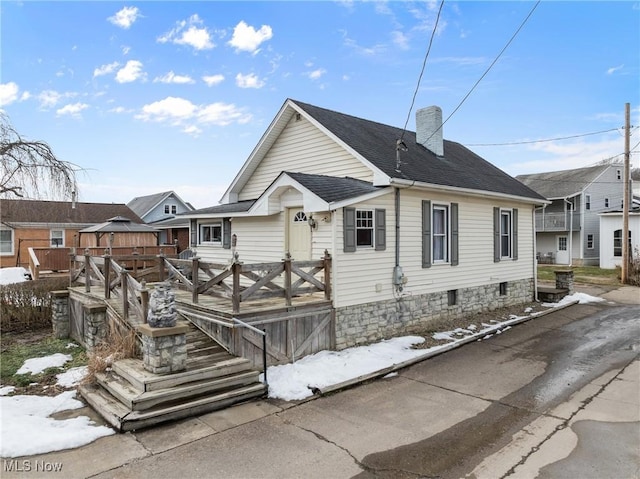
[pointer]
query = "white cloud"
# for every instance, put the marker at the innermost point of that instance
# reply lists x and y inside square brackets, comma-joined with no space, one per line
[125,17]
[249,81]
[131,72]
[316,74]
[25,96]
[173,78]
[105,69]
[119,109]
[49,98]
[192,130]
[72,110]
[213,80]
[612,70]
[125,50]
[170,109]
[187,32]
[223,114]
[8,93]
[248,39]
[181,112]
[400,40]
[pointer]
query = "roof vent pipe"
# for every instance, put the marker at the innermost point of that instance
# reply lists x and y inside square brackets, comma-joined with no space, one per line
[429,129]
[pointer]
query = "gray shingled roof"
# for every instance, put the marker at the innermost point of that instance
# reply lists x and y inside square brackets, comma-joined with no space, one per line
[376,142]
[119,224]
[562,184]
[331,188]
[239,207]
[141,205]
[62,212]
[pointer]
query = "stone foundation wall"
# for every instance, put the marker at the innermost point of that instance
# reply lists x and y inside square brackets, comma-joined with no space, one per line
[365,323]
[96,328]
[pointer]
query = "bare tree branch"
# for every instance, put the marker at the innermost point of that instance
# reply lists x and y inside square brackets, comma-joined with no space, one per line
[30,168]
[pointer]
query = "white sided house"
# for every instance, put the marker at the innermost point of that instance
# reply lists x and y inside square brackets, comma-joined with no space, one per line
[611,237]
[417,229]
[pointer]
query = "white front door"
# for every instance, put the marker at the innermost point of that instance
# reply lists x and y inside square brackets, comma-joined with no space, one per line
[298,235]
[562,250]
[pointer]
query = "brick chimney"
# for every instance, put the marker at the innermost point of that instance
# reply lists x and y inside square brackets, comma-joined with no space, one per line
[429,129]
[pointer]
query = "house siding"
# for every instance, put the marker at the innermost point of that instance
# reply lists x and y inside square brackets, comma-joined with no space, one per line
[157,213]
[610,223]
[606,186]
[366,275]
[36,237]
[302,147]
[368,308]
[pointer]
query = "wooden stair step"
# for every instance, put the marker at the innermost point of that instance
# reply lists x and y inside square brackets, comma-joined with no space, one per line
[122,419]
[140,401]
[133,371]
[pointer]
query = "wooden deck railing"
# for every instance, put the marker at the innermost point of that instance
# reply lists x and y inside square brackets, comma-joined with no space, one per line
[236,281]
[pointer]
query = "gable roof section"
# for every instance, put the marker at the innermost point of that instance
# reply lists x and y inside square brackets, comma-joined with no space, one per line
[458,168]
[142,205]
[62,212]
[374,144]
[565,183]
[229,208]
[332,189]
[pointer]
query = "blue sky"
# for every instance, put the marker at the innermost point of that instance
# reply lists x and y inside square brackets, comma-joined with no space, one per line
[156,96]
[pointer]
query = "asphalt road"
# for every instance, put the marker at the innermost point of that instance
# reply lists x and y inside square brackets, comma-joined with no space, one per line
[487,409]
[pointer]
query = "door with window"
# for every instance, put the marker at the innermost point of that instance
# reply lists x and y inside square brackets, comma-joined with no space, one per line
[298,235]
[562,249]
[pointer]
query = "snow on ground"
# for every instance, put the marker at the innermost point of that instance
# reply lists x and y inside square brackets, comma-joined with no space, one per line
[27,429]
[14,275]
[37,365]
[72,377]
[298,380]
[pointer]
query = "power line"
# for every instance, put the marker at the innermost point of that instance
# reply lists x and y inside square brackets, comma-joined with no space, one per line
[488,69]
[424,64]
[542,141]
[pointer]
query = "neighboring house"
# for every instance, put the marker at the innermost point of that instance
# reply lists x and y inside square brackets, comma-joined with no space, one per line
[611,236]
[417,230]
[162,210]
[568,230]
[32,223]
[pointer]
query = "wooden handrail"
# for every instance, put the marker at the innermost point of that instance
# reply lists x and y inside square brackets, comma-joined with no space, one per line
[236,281]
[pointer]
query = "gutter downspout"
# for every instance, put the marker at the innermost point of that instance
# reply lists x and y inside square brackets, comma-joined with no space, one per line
[535,248]
[397,270]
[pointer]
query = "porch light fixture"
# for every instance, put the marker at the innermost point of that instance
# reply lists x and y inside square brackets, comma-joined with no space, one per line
[312,222]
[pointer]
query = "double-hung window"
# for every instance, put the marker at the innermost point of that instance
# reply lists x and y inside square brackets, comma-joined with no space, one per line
[505,234]
[440,233]
[617,242]
[170,209]
[364,228]
[211,233]
[57,238]
[6,242]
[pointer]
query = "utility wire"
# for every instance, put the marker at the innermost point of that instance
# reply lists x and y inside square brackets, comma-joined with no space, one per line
[424,64]
[547,139]
[542,141]
[487,70]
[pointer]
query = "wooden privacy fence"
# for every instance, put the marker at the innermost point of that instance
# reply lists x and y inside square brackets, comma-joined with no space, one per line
[57,259]
[270,338]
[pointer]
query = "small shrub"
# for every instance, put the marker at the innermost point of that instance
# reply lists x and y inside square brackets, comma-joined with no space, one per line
[120,345]
[634,269]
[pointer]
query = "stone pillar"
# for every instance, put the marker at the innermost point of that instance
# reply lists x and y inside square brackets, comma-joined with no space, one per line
[564,280]
[60,314]
[162,307]
[95,324]
[164,350]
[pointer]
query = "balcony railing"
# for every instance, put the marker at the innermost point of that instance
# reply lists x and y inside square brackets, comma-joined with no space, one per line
[557,221]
